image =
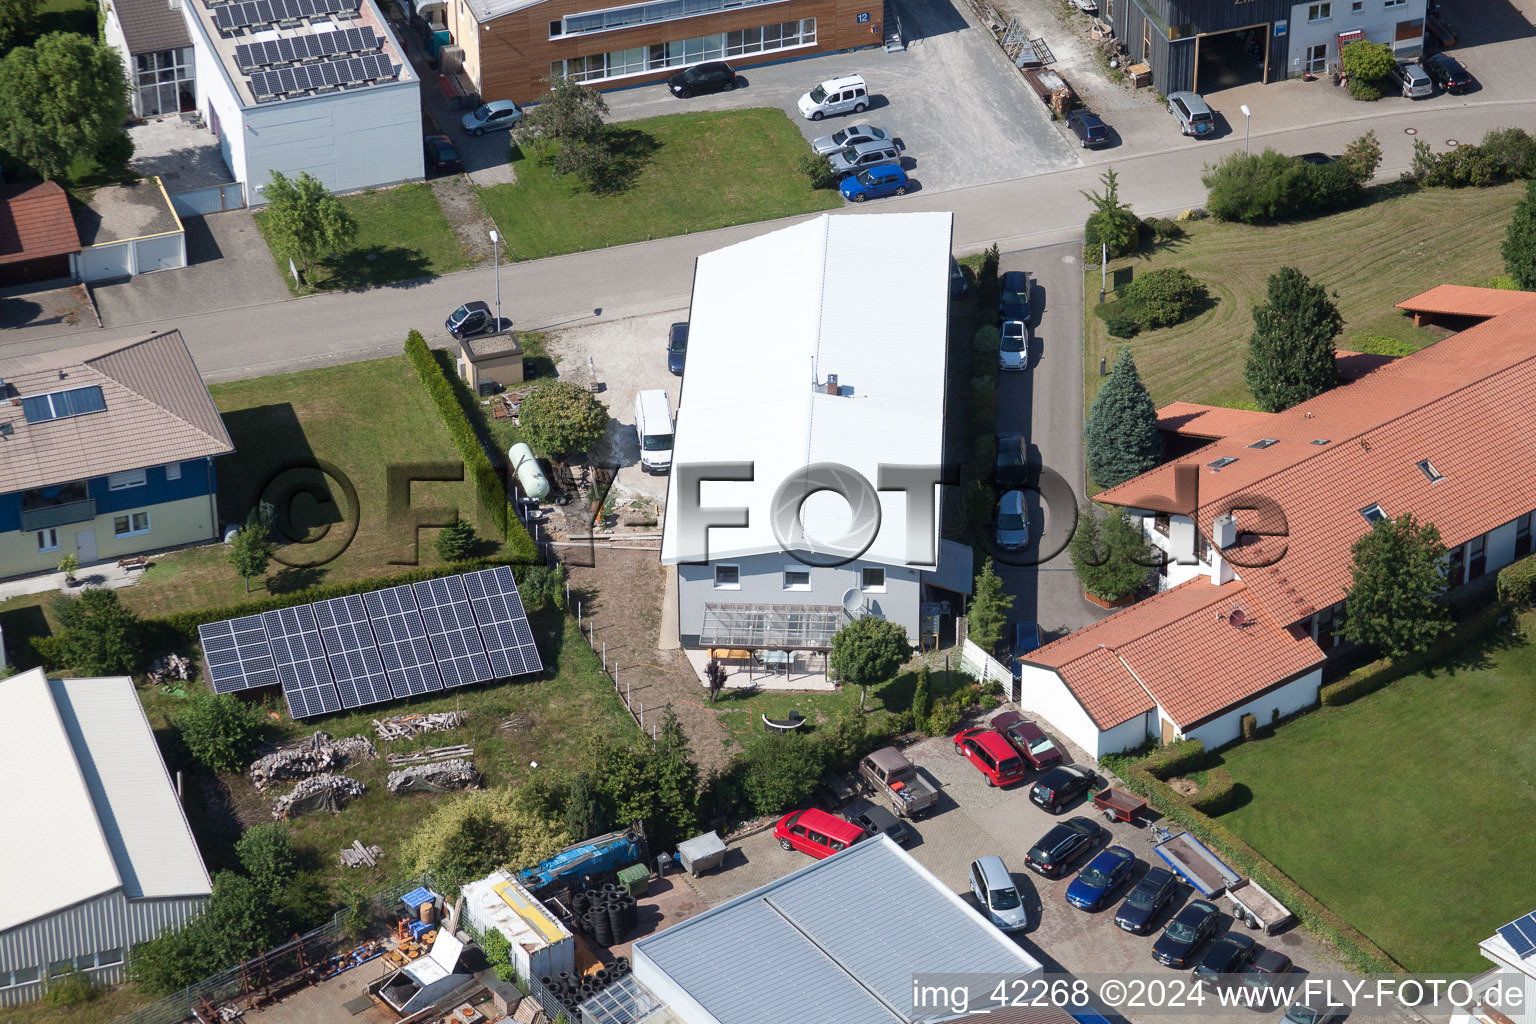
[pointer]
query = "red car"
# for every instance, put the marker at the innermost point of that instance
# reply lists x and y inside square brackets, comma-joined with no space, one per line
[816,832]
[986,748]
[1029,740]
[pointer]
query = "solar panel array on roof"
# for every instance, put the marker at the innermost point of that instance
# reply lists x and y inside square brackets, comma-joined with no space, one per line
[252,13]
[456,642]
[301,665]
[1521,935]
[503,622]
[265,53]
[371,67]
[351,651]
[403,641]
[239,657]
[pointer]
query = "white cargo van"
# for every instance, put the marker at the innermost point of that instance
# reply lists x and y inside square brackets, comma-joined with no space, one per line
[845,95]
[653,428]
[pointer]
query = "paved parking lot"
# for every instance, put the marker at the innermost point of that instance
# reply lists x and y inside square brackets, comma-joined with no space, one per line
[973,820]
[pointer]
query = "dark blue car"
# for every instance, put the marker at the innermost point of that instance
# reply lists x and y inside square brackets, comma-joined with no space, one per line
[1103,874]
[875,183]
[677,348]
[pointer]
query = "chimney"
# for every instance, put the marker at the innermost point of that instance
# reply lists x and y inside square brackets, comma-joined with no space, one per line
[832,384]
[1224,531]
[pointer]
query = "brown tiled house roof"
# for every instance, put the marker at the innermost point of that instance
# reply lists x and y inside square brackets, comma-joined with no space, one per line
[158,410]
[35,222]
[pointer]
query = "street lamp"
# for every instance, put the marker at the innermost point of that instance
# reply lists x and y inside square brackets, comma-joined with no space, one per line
[496,250]
[1247,115]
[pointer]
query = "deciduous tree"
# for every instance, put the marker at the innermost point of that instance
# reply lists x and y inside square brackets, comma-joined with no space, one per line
[1121,439]
[303,221]
[1396,596]
[559,419]
[252,549]
[1291,354]
[268,857]
[987,613]
[1110,556]
[63,97]
[1519,248]
[219,730]
[470,835]
[868,651]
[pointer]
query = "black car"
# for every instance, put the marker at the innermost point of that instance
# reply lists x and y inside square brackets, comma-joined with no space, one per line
[471,318]
[1060,786]
[1228,955]
[877,820]
[1012,467]
[1184,934]
[1264,976]
[442,158]
[1156,888]
[1014,304]
[711,76]
[1448,73]
[1320,159]
[677,348]
[1089,129]
[1062,845]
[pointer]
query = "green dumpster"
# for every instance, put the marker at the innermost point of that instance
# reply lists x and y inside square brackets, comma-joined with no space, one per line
[634,879]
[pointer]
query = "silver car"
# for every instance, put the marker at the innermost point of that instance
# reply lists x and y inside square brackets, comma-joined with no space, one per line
[856,158]
[1012,522]
[829,144]
[489,117]
[999,897]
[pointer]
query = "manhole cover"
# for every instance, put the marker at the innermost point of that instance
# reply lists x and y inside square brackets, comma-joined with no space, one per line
[1410,131]
[1452,143]
[1069,259]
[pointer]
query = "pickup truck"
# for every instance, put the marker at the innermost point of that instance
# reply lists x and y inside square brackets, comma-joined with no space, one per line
[889,771]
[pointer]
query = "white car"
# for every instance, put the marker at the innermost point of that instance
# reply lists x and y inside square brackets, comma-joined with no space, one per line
[1012,522]
[1013,349]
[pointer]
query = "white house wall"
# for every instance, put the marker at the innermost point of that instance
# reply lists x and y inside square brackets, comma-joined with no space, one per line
[349,140]
[1179,540]
[1377,21]
[1043,693]
[1288,699]
[216,97]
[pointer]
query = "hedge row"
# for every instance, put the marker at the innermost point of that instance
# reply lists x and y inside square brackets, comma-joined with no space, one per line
[448,394]
[1178,758]
[1363,954]
[1218,795]
[1372,677]
[1517,582]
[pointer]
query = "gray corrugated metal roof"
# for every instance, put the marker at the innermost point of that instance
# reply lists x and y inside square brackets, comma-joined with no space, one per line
[851,929]
[150,25]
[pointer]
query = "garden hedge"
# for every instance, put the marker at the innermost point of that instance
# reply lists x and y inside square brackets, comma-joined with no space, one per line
[1218,794]
[1372,677]
[449,394]
[1177,758]
[1517,582]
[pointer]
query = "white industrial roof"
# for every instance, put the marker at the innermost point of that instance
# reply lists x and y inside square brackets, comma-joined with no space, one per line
[82,771]
[865,298]
[485,10]
[848,932]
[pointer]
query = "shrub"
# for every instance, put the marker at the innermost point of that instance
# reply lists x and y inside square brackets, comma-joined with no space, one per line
[1378,345]
[781,771]
[989,288]
[1372,677]
[1505,154]
[817,168]
[220,731]
[449,395]
[1177,758]
[1163,298]
[1367,62]
[97,635]
[497,949]
[944,718]
[1122,327]
[1118,230]
[70,991]
[1367,92]
[1517,582]
[984,343]
[1194,213]
[984,452]
[457,541]
[1165,229]
[1218,795]
[1250,726]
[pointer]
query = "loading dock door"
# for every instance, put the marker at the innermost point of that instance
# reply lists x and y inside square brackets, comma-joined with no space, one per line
[1225,60]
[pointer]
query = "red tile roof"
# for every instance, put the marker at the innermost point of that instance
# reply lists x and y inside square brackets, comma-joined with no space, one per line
[1211,421]
[1464,403]
[1460,300]
[1179,649]
[1354,365]
[35,222]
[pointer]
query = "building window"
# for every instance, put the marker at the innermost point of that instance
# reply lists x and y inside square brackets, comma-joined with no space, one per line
[121,481]
[1456,568]
[1325,627]
[1373,514]
[642,14]
[1389,4]
[173,471]
[797,579]
[165,82]
[130,525]
[657,56]
[1523,535]
[48,540]
[1319,12]
[1477,557]
[1432,474]
[1222,463]
[24,976]
[1357,7]
[108,957]
[59,968]
[1317,58]
[1160,524]
[727,577]
[872,580]
[1202,548]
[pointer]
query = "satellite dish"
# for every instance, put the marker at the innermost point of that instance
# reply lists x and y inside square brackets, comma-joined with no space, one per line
[1238,618]
[853,603]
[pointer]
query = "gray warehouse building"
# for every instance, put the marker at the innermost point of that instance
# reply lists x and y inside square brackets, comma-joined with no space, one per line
[96,852]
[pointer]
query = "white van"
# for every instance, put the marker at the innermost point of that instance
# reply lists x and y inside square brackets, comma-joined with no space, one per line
[845,95]
[653,428]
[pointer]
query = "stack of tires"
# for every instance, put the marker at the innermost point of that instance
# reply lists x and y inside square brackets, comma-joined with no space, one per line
[607,914]
[574,989]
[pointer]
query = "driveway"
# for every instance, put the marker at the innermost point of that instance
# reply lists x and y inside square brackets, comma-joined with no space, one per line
[973,820]
[965,116]
[1045,402]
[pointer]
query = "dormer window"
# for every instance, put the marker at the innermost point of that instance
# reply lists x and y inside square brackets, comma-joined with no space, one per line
[1373,514]
[1430,472]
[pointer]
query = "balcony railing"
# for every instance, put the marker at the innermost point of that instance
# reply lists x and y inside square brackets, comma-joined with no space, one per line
[58,515]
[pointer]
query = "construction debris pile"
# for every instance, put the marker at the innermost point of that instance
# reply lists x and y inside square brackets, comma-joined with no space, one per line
[428,754]
[402,727]
[172,666]
[439,777]
[319,753]
[317,793]
[356,855]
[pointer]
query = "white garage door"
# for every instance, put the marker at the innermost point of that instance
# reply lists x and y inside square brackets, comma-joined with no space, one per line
[105,262]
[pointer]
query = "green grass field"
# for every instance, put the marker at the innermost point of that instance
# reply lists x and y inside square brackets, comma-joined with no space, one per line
[1373,257]
[1408,812]
[741,712]
[402,235]
[695,172]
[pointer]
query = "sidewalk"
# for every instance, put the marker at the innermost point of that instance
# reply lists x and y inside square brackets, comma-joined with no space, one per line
[103,574]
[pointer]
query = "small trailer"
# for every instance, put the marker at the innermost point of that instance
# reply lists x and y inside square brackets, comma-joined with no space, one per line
[1254,906]
[1118,805]
[1196,864]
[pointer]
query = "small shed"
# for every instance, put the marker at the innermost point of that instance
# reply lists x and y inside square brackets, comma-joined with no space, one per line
[542,946]
[38,241]
[488,361]
[129,230]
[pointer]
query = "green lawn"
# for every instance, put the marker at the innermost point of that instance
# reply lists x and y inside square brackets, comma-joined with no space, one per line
[67,16]
[360,418]
[1373,257]
[402,235]
[1409,811]
[741,712]
[695,172]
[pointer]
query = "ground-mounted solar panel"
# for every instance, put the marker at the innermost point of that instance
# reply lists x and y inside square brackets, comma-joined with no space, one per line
[450,623]
[402,639]
[301,665]
[356,665]
[239,657]
[503,622]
